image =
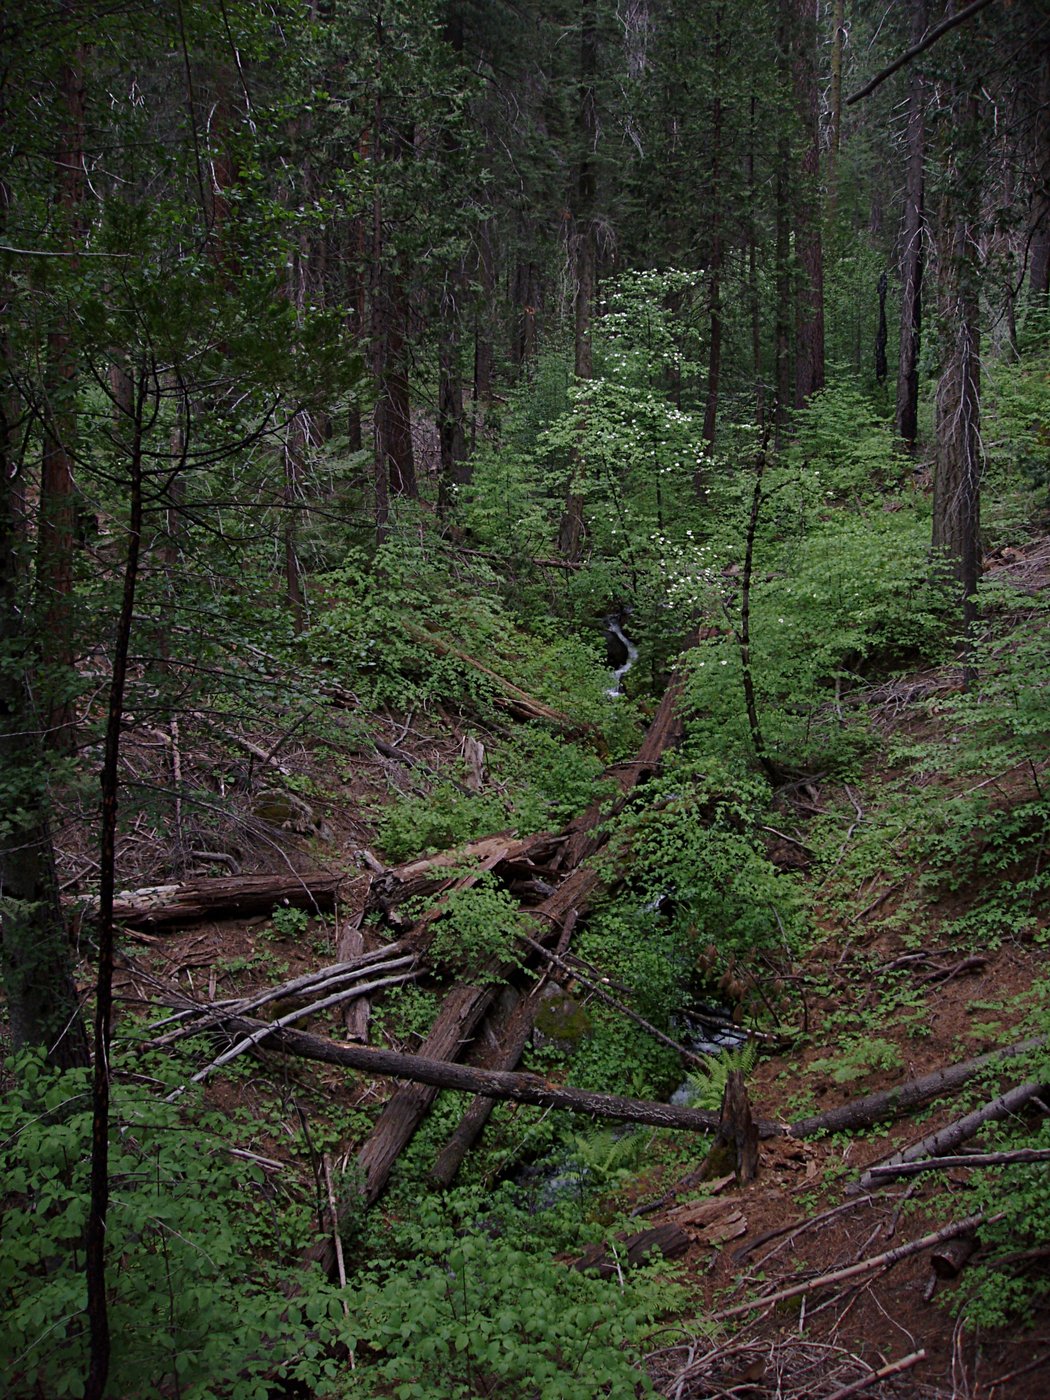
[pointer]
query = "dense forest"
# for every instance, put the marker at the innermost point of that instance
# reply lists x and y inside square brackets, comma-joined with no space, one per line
[524,698]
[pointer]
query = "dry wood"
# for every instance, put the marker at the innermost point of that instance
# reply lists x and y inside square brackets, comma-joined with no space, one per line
[350,949]
[737,1128]
[197,1018]
[892,1368]
[955,1134]
[888,1170]
[262,1029]
[445,1074]
[872,1265]
[948,1261]
[167,906]
[511,859]
[512,1045]
[890,1103]
[668,1240]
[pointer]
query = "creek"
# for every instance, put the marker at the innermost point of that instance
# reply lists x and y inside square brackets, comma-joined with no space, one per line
[620,651]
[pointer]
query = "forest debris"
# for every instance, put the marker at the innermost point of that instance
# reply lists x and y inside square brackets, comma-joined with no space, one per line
[711,1221]
[892,1368]
[737,1129]
[168,906]
[888,1171]
[790,1368]
[446,1074]
[950,1259]
[505,694]
[872,1265]
[954,1134]
[350,949]
[667,1240]
[889,1103]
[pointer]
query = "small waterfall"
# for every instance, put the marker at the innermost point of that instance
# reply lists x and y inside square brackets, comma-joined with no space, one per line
[620,650]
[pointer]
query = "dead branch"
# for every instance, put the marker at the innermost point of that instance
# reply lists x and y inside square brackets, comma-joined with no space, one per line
[962,1130]
[931,38]
[497,1084]
[890,1103]
[872,1265]
[892,1368]
[888,1171]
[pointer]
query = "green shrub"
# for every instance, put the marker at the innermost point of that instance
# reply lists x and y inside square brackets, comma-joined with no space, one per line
[476,1314]
[195,1253]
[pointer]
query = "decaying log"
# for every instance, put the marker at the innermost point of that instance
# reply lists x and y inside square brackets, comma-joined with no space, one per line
[464,1007]
[1018,1156]
[167,906]
[891,1103]
[497,1084]
[512,860]
[955,1134]
[949,1260]
[356,1013]
[668,1240]
[737,1128]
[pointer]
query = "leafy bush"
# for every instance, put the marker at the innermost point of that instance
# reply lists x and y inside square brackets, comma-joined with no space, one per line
[479,925]
[476,1314]
[185,1219]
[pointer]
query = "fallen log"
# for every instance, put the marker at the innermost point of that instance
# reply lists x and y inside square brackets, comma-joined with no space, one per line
[559,912]
[861,1270]
[891,1103]
[511,1048]
[953,1135]
[167,906]
[444,1074]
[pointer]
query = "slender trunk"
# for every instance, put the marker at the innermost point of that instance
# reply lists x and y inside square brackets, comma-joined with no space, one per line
[754,303]
[838,38]
[55,535]
[95,1245]
[809,358]
[1039,230]
[585,258]
[452,442]
[912,249]
[714,350]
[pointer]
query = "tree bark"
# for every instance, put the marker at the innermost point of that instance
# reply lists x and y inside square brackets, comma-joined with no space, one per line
[55,532]
[958,461]
[911,257]
[809,355]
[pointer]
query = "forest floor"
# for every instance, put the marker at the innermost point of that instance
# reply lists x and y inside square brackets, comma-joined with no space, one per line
[884,992]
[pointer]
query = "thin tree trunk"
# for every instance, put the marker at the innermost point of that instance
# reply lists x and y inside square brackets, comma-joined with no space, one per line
[809,357]
[55,534]
[912,249]
[95,1243]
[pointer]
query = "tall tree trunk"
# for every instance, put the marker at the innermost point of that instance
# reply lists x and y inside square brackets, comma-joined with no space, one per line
[714,349]
[957,468]
[584,250]
[42,1004]
[809,355]
[55,534]
[452,441]
[838,39]
[95,1239]
[1039,230]
[912,247]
